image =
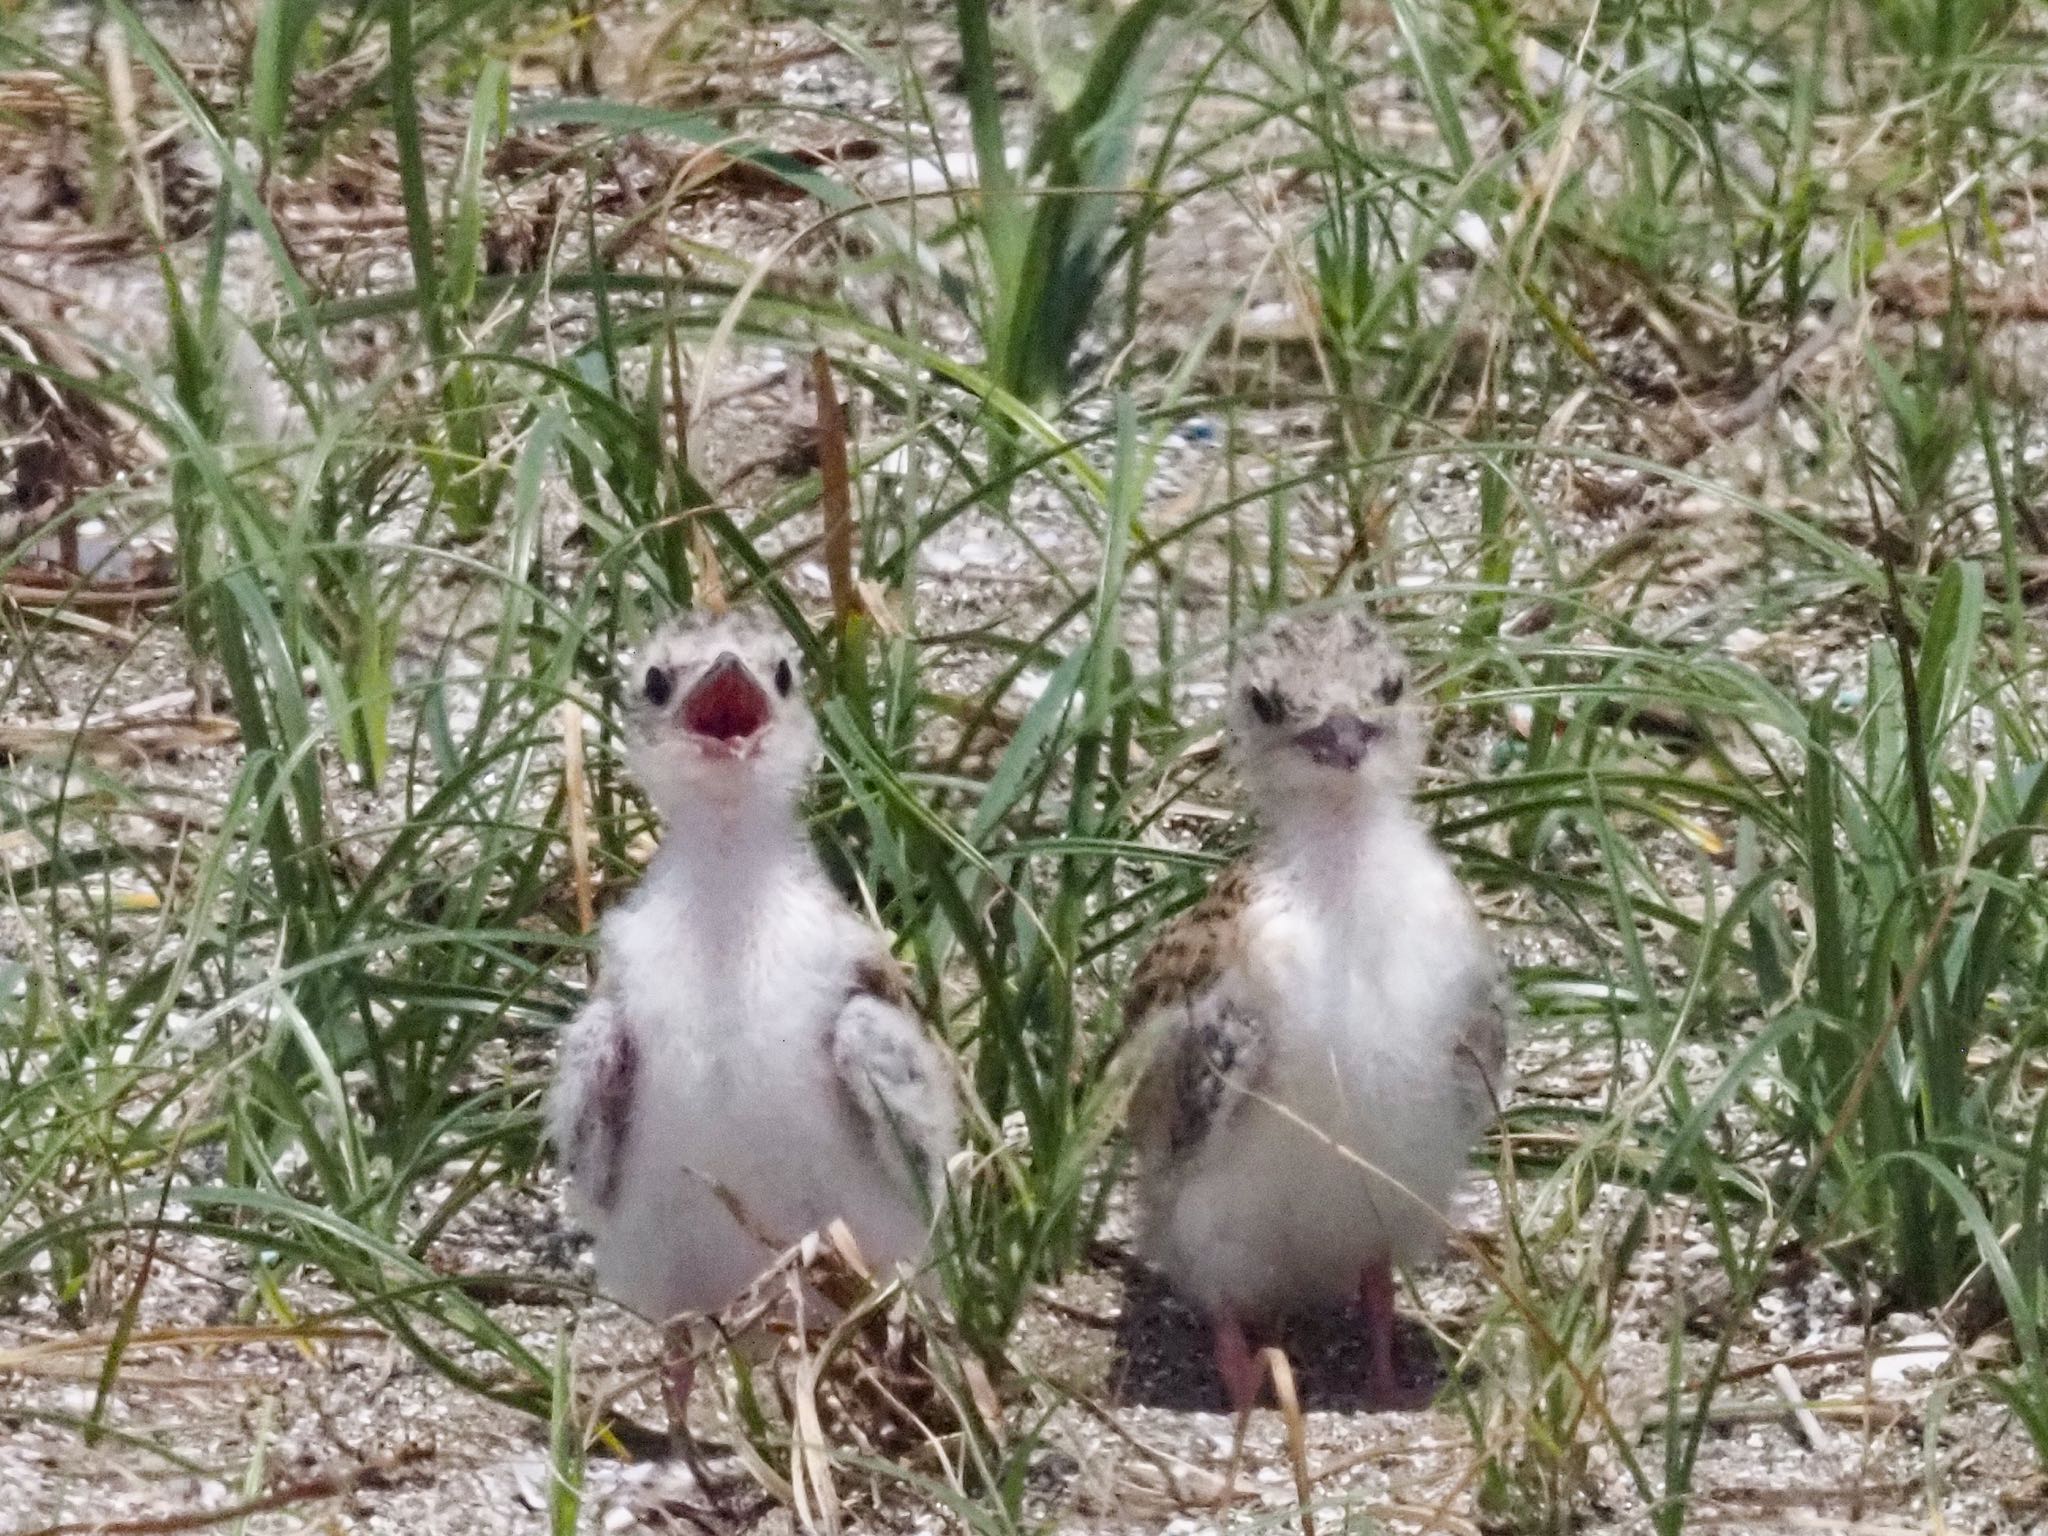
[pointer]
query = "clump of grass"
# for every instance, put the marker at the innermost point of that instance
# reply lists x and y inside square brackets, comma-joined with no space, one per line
[1925,940]
[1048,237]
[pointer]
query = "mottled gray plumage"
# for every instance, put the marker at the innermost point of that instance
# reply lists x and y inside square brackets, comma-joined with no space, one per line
[1207,1052]
[1316,657]
[590,1114]
[1481,1052]
[890,1076]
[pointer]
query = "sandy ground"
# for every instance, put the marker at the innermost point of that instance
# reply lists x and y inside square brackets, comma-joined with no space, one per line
[356,1434]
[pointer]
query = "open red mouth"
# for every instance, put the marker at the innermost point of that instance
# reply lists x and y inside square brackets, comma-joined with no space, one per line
[727,705]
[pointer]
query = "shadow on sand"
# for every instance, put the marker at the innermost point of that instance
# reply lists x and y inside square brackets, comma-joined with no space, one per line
[1164,1358]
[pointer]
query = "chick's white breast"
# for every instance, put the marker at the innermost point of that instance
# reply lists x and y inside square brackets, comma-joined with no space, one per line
[738,1095]
[1359,1148]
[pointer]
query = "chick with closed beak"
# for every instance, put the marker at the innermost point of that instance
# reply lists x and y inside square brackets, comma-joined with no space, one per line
[1325,1031]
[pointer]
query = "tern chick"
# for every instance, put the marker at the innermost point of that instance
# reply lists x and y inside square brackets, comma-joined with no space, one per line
[749,1068]
[1327,1026]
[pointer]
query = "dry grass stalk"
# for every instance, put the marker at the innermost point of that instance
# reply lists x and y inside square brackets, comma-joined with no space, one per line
[836,493]
[576,797]
[856,1370]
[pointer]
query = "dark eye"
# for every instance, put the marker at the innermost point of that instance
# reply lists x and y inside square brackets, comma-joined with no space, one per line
[1266,703]
[658,686]
[785,679]
[1391,688]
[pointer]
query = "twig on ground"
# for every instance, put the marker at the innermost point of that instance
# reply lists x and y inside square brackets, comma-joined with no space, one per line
[1803,1416]
[1758,403]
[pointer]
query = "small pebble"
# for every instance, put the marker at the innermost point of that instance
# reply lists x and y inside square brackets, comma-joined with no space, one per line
[1918,1354]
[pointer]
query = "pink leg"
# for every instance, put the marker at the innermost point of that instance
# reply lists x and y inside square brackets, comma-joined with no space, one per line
[1384,1386]
[678,1374]
[1236,1362]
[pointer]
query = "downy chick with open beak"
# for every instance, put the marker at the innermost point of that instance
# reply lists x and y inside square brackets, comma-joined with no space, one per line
[1327,1026]
[751,1041]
